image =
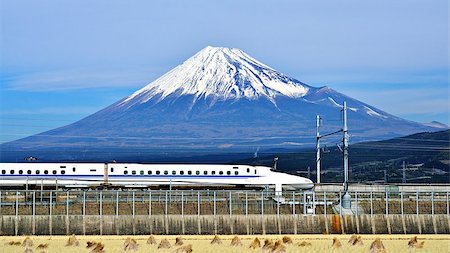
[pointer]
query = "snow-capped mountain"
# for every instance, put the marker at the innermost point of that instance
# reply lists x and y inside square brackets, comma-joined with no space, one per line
[219,99]
[221,73]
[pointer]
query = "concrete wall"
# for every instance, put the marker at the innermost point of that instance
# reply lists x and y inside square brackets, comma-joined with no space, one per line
[223,224]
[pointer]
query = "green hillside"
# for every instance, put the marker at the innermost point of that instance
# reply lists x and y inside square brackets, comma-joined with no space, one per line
[426,155]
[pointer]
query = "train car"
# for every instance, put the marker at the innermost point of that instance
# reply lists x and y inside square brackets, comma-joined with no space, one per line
[135,175]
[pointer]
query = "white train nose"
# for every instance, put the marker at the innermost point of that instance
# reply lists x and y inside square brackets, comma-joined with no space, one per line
[303,184]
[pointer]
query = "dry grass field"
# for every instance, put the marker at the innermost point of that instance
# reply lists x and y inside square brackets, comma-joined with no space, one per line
[295,243]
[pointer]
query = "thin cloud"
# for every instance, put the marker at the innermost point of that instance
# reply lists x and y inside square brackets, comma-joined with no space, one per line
[74,110]
[76,80]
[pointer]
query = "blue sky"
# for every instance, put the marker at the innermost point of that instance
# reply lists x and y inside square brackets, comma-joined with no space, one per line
[63,60]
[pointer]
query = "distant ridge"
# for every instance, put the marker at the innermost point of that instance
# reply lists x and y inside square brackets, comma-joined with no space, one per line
[220,99]
[437,124]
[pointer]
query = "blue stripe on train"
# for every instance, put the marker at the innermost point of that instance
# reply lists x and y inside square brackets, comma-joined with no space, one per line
[131,176]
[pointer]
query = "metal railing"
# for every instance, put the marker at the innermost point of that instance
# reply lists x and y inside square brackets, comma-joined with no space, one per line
[221,202]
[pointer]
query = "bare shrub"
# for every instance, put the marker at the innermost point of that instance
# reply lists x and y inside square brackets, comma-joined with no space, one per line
[377,246]
[178,241]
[164,244]
[130,244]
[151,240]
[336,243]
[216,240]
[268,244]
[236,241]
[256,243]
[27,242]
[287,240]
[73,241]
[184,249]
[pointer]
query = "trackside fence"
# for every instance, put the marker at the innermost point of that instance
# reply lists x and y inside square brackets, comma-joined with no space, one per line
[220,211]
[176,202]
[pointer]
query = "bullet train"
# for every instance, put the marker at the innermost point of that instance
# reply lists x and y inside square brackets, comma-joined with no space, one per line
[134,175]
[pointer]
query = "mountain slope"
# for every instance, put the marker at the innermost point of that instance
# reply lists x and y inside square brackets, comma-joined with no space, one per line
[426,156]
[219,99]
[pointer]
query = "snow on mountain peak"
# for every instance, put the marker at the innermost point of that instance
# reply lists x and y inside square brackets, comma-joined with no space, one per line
[222,73]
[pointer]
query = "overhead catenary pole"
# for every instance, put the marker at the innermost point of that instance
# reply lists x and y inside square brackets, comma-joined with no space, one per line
[404,174]
[318,148]
[345,130]
[346,199]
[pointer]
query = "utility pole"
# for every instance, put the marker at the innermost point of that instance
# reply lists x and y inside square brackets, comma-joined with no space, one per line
[345,130]
[404,175]
[346,199]
[318,148]
[385,176]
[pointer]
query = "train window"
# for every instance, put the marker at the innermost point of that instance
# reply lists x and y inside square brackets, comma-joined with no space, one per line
[11,172]
[45,172]
[197,172]
[28,171]
[37,172]
[205,172]
[220,172]
[141,172]
[166,172]
[73,169]
[112,169]
[54,172]
[62,167]
[182,172]
[189,172]
[236,172]
[125,172]
[21,172]
[3,171]
[149,172]
[228,172]
[236,168]
[93,170]
[248,170]
[174,172]
[133,172]
[158,172]
[213,172]
[63,172]
[255,171]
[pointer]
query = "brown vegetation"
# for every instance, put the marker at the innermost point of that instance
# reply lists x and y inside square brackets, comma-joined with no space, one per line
[256,243]
[304,244]
[336,243]
[377,246]
[278,247]
[355,240]
[90,244]
[184,249]
[164,244]
[413,243]
[130,244]
[236,241]
[28,250]
[216,240]
[178,241]
[98,248]
[287,240]
[13,243]
[268,244]
[27,242]
[151,240]
[73,241]
[42,246]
